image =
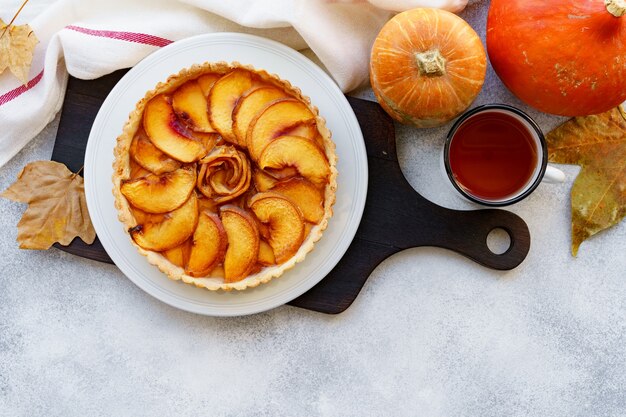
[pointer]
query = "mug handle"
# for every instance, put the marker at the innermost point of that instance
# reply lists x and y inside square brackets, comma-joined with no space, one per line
[553,175]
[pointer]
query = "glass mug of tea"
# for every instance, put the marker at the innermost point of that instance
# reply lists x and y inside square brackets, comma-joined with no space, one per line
[496,155]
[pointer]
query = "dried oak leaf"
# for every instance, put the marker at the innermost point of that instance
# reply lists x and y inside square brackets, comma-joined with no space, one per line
[57,210]
[598,144]
[17,46]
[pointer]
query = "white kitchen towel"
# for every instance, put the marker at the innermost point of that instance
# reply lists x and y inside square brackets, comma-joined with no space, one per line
[91,38]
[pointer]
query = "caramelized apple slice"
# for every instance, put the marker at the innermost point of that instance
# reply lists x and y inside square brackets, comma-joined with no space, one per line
[243,243]
[160,193]
[175,256]
[285,222]
[208,140]
[283,173]
[207,204]
[136,170]
[299,153]
[190,105]
[179,255]
[206,82]
[177,227]
[208,245]
[274,121]
[266,254]
[149,156]
[262,180]
[142,217]
[217,272]
[305,195]
[307,130]
[168,133]
[263,228]
[222,99]
[249,105]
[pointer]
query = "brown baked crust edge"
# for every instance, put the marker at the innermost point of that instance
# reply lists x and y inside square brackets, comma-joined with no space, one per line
[121,170]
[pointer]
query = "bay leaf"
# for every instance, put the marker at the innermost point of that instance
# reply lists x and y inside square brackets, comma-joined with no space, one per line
[598,144]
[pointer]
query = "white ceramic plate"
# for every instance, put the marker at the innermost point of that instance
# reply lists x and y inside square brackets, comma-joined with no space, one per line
[289,65]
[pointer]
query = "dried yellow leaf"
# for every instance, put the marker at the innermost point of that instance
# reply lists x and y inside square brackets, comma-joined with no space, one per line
[598,144]
[17,46]
[57,210]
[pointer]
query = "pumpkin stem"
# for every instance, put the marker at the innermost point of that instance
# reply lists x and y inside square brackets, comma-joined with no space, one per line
[432,63]
[616,7]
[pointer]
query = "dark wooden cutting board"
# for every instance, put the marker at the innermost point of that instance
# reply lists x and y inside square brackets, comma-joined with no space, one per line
[396,217]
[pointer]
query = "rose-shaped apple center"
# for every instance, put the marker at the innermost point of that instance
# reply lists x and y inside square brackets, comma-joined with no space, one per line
[224,174]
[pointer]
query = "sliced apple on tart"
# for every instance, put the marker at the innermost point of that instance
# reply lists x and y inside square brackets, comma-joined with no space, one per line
[142,217]
[286,225]
[168,133]
[173,230]
[149,156]
[243,243]
[262,180]
[137,170]
[307,129]
[180,254]
[305,196]
[222,100]
[206,82]
[208,245]
[160,193]
[302,154]
[275,120]
[208,140]
[266,254]
[249,105]
[190,105]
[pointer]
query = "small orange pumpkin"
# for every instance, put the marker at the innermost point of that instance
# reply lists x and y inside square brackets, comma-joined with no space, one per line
[427,66]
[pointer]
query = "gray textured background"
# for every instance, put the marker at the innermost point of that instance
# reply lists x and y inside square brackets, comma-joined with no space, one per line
[432,334]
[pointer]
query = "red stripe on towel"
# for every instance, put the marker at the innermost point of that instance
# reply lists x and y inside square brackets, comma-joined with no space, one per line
[124,36]
[6,97]
[142,38]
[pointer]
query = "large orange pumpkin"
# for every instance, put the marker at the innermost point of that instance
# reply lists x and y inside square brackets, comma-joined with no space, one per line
[565,57]
[427,66]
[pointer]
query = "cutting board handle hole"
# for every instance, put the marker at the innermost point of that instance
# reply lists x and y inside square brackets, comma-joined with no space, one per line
[498,241]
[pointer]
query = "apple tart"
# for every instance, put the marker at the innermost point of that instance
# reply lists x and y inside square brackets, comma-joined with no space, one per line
[224,176]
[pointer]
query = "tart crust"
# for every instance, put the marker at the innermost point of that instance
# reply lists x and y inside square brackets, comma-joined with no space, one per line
[121,171]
